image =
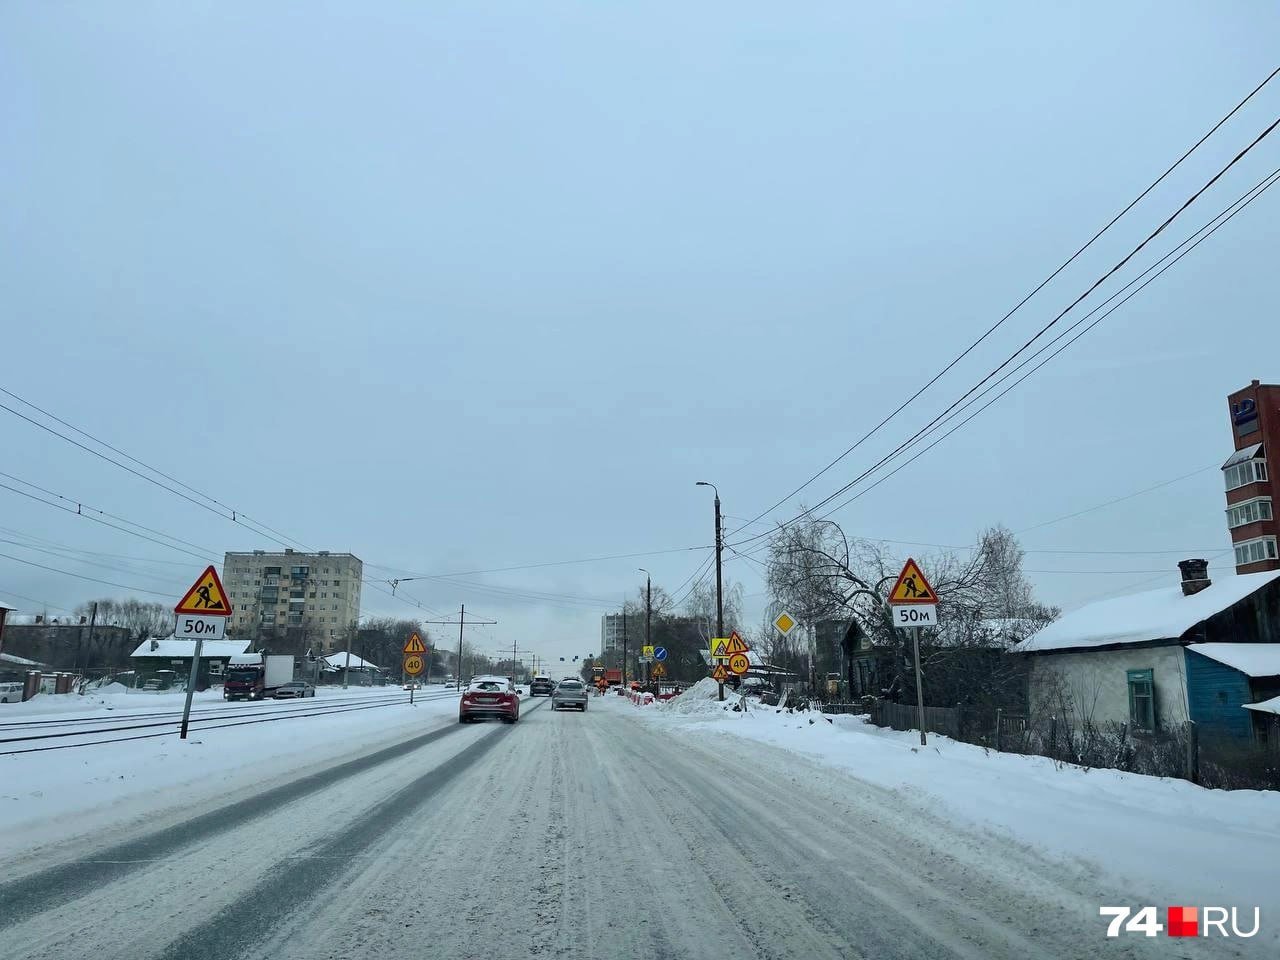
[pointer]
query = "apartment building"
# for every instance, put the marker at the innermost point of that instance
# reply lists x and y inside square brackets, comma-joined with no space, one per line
[307,599]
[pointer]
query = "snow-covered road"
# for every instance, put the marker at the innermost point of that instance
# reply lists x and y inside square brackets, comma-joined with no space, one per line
[569,835]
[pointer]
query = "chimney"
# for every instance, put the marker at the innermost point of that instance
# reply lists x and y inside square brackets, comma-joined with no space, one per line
[39,618]
[83,619]
[155,645]
[1195,576]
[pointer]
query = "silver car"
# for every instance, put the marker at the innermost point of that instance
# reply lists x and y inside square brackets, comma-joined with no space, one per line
[569,693]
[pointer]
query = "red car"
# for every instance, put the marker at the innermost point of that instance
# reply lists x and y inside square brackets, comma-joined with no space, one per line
[489,697]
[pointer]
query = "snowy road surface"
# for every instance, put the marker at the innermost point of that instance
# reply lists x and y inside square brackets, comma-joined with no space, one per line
[568,835]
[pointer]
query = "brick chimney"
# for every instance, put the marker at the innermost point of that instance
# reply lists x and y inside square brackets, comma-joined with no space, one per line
[1195,576]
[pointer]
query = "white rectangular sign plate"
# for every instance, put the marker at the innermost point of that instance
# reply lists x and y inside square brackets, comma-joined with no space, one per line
[908,615]
[197,627]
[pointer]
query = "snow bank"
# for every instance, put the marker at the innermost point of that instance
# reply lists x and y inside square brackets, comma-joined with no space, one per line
[700,700]
[51,797]
[1168,840]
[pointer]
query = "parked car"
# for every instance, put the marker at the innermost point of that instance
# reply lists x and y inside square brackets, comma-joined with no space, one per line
[570,693]
[295,688]
[488,696]
[11,692]
[542,686]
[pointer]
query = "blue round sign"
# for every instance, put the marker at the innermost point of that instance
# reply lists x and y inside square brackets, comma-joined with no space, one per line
[659,653]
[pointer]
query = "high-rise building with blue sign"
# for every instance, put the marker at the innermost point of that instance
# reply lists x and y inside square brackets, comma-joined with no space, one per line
[1255,427]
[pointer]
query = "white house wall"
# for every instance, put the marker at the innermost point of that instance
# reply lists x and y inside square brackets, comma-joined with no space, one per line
[1096,682]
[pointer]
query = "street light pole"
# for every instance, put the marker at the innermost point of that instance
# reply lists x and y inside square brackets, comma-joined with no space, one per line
[719,582]
[648,611]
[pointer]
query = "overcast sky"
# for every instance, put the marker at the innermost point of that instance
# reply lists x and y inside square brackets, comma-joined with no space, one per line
[467,286]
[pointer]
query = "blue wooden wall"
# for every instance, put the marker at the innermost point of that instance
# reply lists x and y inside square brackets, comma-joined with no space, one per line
[1207,682]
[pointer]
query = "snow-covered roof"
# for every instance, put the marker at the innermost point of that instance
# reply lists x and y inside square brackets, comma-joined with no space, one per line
[1266,706]
[1240,456]
[338,661]
[178,649]
[19,661]
[1251,659]
[1163,614]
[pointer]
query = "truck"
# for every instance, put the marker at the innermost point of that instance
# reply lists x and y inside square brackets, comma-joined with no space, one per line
[255,676]
[613,677]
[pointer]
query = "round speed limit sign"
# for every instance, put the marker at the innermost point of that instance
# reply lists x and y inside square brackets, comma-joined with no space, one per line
[413,664]
[739,663]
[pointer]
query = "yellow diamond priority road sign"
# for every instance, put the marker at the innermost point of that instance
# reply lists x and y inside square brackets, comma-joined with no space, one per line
[784,623]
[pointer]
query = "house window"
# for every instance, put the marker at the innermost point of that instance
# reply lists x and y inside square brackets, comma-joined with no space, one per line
[1252,551]
[299,571]
[324,595]
[1142,700]
[1251,471]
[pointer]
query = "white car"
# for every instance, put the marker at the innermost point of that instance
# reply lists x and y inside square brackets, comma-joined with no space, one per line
[11,692]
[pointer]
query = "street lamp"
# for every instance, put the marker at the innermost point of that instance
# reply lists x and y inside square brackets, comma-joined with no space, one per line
[719,585]
[648,609]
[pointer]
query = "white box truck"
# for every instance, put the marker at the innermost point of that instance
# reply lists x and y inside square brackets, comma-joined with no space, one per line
[254,676]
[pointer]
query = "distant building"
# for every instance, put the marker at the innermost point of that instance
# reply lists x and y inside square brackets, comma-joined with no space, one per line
[1255,428]
[69,643]
[168,661]
[612,626]
[298,600]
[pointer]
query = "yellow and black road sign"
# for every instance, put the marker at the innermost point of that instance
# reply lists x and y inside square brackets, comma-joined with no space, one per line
[720,674]
[736,644]
[784,623]
[414,644]
[739,663]
[658,670]
[205,596]
[912,586]
[414,664]
[718,648]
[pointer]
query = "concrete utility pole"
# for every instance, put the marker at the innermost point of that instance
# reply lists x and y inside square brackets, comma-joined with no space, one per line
[648,611]
[624,643]
[719,582]
[93,620]
[461,624]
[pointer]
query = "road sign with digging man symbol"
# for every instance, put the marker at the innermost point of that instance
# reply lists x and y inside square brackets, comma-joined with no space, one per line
[206,596]
[912,586]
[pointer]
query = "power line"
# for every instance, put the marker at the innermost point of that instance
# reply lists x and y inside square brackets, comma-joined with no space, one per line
[1243,202]
[81,509]
[1108,503]
[233,515]
[80,576]
[1020,303]
[1264,185]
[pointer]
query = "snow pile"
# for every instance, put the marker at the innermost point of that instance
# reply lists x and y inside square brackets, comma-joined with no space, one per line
[702,699]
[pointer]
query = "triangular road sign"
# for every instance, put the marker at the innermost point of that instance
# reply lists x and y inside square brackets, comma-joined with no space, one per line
[735,645]
[912,586]
[718,645]
[720,674]
[414,644]
[206,596]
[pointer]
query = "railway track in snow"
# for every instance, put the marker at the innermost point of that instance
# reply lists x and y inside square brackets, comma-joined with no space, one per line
[44,734]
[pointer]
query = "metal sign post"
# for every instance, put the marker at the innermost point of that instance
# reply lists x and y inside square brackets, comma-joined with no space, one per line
[202,612]
[914,603]
[191,687]
[915,656]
